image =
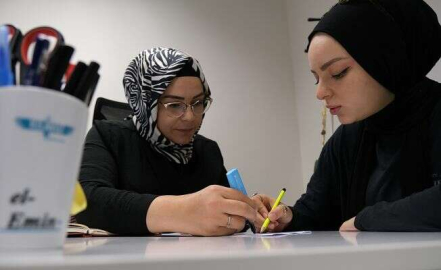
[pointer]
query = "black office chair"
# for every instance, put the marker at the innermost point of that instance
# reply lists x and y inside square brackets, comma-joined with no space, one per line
[106,109]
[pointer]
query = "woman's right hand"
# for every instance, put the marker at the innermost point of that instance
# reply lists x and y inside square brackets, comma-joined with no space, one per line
[280,217]
[212,211]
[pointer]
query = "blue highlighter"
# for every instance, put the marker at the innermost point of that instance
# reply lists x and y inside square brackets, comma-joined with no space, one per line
[235,182]
[6,77]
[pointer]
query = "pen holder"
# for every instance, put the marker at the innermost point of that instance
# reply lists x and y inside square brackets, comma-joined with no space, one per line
[41,143]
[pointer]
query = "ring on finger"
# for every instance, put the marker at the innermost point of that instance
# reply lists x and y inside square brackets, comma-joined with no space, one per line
[229,221]
[257,194]
[285,210]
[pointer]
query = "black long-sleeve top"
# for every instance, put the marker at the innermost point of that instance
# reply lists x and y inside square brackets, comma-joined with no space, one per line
[121,176]
[320,208]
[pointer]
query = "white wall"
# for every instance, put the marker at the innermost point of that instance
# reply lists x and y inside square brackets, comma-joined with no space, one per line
[436,71]
[243,47]
[308,108]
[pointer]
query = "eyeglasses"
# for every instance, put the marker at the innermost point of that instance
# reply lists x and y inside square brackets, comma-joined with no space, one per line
[177,109]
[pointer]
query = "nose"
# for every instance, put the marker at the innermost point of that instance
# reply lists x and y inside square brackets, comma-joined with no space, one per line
[323,91]
[188,114]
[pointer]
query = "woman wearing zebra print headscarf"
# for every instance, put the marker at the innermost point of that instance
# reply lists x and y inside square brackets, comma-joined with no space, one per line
[154,173]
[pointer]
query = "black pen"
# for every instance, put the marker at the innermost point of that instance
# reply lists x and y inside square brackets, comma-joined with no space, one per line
[57,66]
[92,90]
[75,78]
[87,81]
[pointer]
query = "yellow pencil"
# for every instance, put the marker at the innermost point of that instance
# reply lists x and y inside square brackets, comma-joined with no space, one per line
[267,220]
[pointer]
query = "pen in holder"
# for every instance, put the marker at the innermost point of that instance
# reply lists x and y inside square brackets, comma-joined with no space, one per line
[42,134]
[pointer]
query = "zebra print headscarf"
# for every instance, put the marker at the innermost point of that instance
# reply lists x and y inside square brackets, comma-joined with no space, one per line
[145,80]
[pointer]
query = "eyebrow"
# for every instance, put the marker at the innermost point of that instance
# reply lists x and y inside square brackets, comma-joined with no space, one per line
[199,95]
[182,98]
[330,62]
[174,97]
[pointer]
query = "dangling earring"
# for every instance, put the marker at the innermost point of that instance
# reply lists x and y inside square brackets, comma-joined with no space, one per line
[323,133]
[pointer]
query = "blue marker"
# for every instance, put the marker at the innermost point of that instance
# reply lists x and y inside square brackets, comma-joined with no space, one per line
[32,76]
[235,182]
[5,59]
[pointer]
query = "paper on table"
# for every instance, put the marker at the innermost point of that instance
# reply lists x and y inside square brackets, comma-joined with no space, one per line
[270,235]
[244,234]
[174,234]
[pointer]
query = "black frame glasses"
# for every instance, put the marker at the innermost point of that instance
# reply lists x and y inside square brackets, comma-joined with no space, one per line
[177,109]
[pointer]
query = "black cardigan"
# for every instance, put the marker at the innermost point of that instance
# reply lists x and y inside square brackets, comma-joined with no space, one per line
[320,208]
[121,176]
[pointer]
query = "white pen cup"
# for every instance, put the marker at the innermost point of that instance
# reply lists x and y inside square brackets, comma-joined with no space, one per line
[41,142]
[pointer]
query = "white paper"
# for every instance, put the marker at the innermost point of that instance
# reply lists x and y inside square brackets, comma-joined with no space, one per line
[270,235]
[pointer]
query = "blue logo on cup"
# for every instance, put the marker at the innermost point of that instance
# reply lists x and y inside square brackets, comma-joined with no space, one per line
[48,128]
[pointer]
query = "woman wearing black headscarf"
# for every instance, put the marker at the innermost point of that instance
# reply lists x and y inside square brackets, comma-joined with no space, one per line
[381,170]
[153,173]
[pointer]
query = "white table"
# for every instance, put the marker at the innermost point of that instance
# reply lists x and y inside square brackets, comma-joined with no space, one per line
[319,250]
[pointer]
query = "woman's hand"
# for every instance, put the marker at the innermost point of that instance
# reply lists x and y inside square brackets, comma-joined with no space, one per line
[280,217]
[348,226]
[214,210]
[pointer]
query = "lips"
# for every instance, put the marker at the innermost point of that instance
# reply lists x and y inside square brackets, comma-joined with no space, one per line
[334,109]
[184,130]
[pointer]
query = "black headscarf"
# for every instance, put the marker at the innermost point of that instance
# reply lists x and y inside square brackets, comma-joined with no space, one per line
[397,42]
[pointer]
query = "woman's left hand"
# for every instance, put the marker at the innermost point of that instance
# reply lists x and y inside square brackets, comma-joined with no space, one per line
[348,226]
